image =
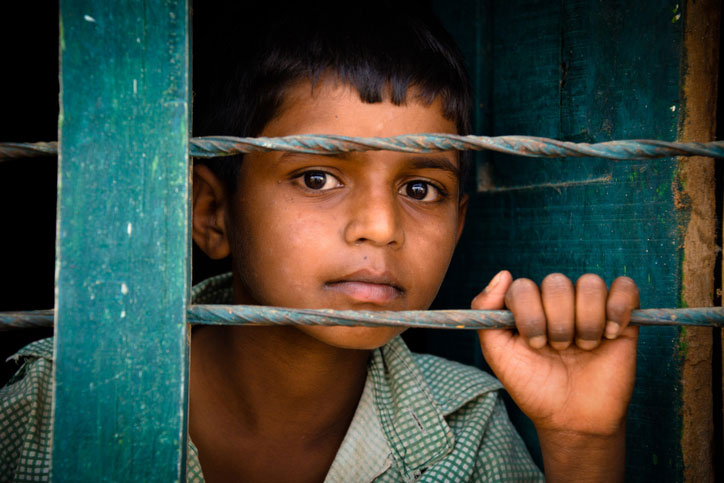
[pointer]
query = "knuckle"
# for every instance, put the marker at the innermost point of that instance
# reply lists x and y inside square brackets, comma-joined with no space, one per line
[556,283]
[559,333]
[615,312]
[627,285]
[532,325]
[523,285]
[590,283]
[590,279]
[589,332]
[519,287]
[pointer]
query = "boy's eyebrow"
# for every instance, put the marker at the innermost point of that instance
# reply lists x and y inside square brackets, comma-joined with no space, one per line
[417,162]
[435,162]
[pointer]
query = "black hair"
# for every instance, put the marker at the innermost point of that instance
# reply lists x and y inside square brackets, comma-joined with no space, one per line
[382,49]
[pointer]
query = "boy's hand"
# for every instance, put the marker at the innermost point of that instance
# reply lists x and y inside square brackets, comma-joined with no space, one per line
[570,366]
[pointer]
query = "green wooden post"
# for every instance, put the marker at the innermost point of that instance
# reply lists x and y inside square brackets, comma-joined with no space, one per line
[123,250]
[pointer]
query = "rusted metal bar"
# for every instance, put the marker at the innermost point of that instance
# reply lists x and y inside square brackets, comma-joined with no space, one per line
[530,146]
[439,319]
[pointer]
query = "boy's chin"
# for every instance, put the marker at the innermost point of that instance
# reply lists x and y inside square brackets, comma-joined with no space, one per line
[360,338]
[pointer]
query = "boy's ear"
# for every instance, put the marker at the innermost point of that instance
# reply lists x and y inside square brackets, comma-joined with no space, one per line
[210,200]
[462,211]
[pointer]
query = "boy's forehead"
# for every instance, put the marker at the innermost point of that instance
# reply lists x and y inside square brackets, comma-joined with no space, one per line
[333,107]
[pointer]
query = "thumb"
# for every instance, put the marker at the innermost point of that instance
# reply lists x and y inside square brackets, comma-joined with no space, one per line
[494,341]
[493,296]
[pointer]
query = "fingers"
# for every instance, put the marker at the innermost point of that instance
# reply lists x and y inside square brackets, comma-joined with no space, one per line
[524,300]
[623,297]
[590,310]
[558,297]
[491,298]
[560,314]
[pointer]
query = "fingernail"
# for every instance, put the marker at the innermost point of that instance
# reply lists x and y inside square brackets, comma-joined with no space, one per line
[612,329]
[586,344]
[537,342]
[561,345]
[493,282]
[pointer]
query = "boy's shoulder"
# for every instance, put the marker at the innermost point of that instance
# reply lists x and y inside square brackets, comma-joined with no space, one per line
[25,414]
[218,289]
[42,349]
[36,358]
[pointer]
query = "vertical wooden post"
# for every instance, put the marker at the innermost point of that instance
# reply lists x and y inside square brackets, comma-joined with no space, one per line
[122,266]
[697,123]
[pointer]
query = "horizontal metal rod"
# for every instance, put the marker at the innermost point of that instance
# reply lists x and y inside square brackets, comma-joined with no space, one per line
[531,146]
[439,319]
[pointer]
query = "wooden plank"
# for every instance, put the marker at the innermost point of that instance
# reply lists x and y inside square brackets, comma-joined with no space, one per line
[609,87]
[697,123]
[122,248]
[588,70]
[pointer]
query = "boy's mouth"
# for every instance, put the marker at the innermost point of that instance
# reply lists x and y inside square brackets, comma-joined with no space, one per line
[367,287]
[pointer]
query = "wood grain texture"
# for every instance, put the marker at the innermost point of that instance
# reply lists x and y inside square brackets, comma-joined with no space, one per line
[122,246]
[700,67]
[588,70]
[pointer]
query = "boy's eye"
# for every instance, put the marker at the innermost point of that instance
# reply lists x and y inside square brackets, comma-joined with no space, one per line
[421,191]
[319,180]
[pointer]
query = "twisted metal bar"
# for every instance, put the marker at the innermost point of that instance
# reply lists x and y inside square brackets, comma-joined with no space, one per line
[531,146]
[30,319]
[27,150]
[440,319]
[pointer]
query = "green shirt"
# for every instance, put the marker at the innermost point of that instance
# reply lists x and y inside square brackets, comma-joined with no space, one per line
[420,418]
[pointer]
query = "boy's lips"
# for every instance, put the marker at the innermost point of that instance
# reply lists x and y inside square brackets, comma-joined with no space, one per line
[367,287]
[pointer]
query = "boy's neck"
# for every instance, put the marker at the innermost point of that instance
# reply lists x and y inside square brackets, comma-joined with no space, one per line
[273,384]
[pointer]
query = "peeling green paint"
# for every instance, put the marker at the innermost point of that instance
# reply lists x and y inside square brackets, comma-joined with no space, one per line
[61,35]
[683,344]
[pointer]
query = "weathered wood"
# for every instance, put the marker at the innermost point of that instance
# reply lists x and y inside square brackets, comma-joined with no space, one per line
[122,248]
[588,70]
[585,72]
[696,178]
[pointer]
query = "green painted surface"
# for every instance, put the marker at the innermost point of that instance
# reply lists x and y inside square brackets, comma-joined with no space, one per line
[593,71]
[122,249]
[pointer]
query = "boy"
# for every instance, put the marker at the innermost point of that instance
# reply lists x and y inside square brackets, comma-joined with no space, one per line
[376,230]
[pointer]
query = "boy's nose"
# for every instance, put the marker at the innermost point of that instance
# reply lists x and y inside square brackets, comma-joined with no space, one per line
[374,218]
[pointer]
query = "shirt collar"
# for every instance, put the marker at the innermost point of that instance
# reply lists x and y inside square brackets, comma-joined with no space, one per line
[413,422]
[397,420]
[364,453]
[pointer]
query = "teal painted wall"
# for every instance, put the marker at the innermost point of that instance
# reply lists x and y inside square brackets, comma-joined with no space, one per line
[590,71]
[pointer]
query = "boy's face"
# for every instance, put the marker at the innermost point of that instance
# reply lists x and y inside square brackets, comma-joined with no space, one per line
[370,230]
